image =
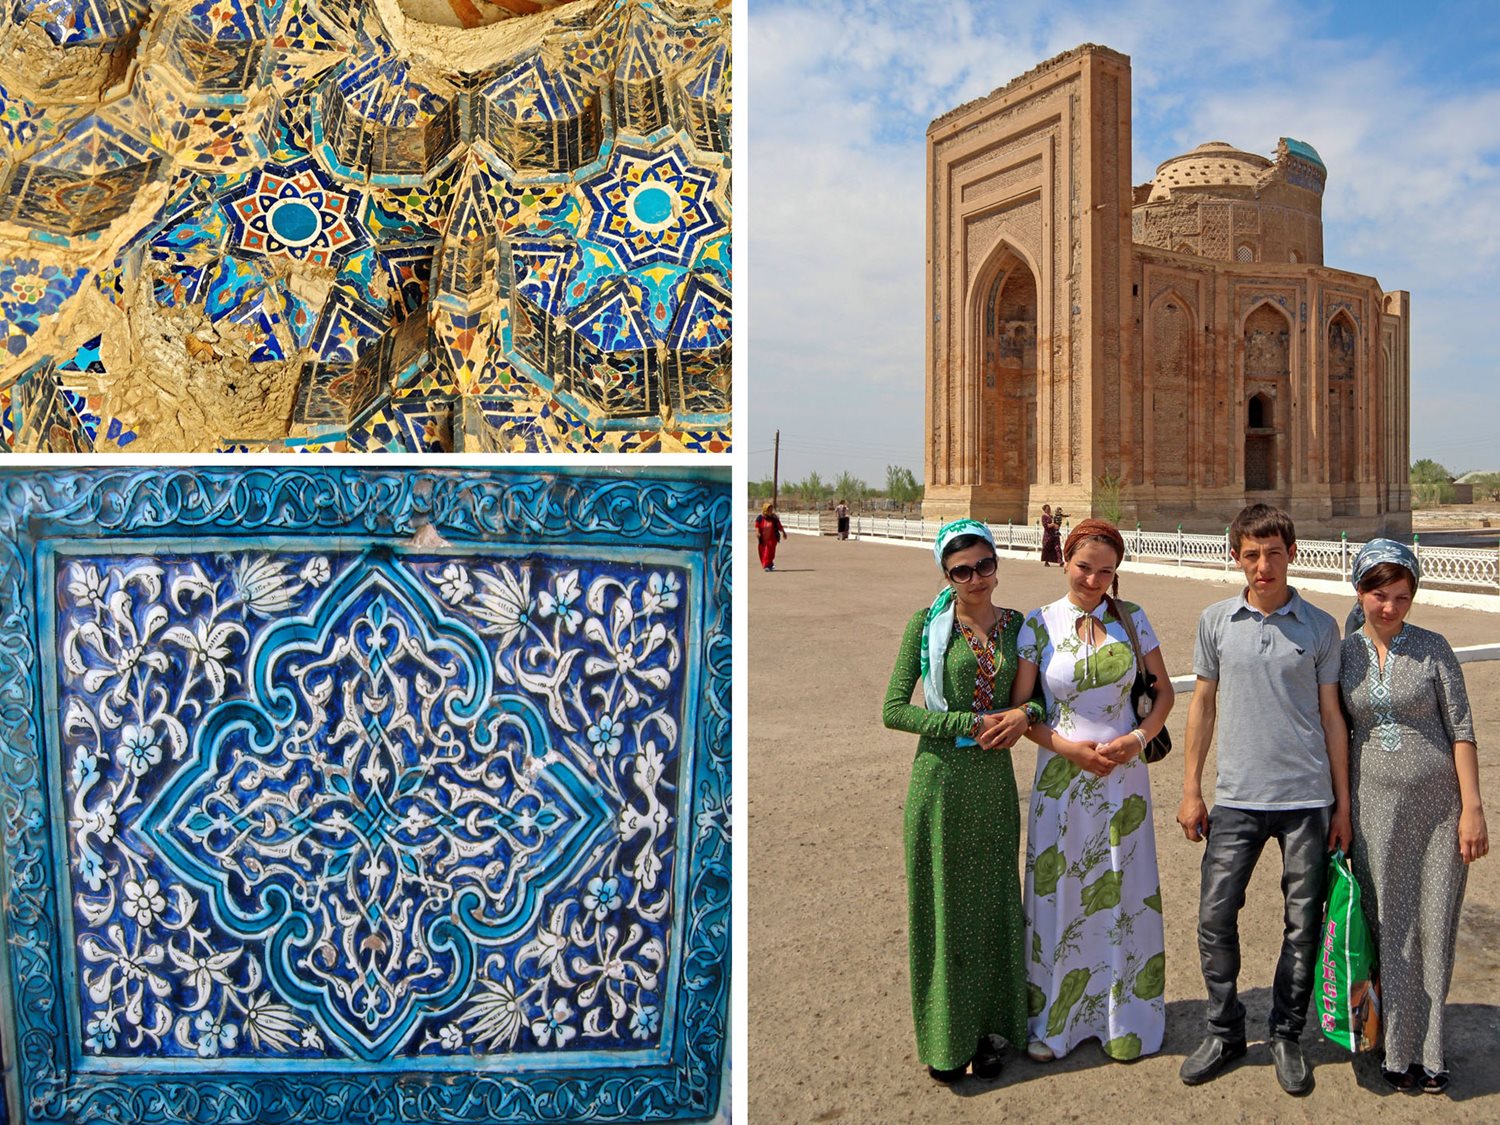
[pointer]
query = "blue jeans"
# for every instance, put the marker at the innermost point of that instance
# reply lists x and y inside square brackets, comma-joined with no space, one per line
[1236,838]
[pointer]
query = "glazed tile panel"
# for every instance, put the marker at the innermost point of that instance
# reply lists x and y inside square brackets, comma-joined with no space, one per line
[321,821]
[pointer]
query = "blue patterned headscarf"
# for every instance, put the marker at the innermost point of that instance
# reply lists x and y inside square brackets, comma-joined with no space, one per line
[1378,551]
[937,630]
[1371,555]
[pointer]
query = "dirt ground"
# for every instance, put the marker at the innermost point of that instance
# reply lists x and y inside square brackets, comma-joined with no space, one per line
[830,1034]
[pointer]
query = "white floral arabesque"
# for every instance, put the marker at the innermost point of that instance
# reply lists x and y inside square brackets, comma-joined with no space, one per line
[580,959]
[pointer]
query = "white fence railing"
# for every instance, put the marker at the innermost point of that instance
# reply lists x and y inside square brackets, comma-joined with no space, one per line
[1465,568]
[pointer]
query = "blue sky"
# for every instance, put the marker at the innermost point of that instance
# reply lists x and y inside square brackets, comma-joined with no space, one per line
[1401,100]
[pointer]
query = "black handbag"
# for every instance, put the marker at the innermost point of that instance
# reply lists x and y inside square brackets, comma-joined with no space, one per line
[1143,692]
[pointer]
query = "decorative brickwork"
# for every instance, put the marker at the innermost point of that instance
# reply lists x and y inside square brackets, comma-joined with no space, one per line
[1190,347]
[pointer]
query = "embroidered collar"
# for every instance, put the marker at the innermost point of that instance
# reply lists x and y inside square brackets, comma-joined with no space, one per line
[1395,642]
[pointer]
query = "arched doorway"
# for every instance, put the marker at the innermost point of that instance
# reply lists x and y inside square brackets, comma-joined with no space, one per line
[1267,352]
[1343,379]
[1170,404]
[1260,444]
[1008,367]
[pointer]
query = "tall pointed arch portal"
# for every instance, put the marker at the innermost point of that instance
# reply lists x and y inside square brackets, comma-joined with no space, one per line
[1006,319]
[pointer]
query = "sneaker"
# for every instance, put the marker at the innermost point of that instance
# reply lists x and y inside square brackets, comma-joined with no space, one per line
[1212,1056]
[1038,1051]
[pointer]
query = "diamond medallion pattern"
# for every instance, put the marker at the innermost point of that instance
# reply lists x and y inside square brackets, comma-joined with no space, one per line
[364,777]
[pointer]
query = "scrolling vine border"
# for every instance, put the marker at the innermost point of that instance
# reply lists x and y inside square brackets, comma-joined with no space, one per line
[390,504]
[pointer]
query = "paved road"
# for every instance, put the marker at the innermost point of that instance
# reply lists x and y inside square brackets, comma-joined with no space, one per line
[830,1031]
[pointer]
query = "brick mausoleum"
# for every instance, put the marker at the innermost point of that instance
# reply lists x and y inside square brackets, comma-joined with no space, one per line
[1181,342]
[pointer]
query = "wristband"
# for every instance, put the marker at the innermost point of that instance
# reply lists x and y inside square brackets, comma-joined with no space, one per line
[1140,736]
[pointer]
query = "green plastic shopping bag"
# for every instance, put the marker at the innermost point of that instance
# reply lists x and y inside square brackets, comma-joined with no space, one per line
[1348,995]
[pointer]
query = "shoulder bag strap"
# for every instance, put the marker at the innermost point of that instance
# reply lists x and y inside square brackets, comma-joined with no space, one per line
[1129,626]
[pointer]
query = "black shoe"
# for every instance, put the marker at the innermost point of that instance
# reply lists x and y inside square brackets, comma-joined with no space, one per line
[1292,1070]
[947,1077]
[987,1060]
[1212,1056]
[1431,1083]
[1403,1080]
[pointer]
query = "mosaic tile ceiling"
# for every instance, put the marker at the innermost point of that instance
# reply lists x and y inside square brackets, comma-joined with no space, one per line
[362,797]
[333,225]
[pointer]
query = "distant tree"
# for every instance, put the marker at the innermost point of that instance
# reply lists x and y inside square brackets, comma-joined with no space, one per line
[1428,471]
[761,490]
[1430,494]
[810,490]
[901,485]
[1107,495]
[850,487]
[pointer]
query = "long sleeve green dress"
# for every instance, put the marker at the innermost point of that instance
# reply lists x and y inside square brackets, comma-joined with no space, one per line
[963,837]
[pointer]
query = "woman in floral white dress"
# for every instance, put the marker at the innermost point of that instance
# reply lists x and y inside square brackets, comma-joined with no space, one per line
[1094,946]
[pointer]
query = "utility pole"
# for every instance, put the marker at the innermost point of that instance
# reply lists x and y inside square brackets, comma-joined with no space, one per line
[776,471]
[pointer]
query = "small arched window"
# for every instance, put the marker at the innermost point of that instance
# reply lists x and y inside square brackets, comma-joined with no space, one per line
[1246,253]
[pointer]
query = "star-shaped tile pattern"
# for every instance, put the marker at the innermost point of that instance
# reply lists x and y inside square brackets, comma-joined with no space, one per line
[295,212]
[650,207]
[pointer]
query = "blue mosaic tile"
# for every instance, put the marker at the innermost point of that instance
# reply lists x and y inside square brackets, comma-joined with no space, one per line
[346,328]
[320,190]
[30,291]
[649,207]
[296,212]
[538,117]
[96,22]
[85,359]
[391,796]
[21,119]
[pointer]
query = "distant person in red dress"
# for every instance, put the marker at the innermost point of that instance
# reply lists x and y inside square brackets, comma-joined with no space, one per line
[1051,540]
[769,531]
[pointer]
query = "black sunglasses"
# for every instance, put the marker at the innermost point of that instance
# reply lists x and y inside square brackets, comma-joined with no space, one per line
[982,569]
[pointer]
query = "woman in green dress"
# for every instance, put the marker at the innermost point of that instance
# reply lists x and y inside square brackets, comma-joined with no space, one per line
[963,820]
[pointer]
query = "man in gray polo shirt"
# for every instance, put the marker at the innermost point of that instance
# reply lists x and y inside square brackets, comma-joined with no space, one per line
[1267,664]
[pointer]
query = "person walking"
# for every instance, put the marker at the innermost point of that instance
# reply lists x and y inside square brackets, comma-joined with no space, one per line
[1418,817]
[1096,961]
[1051,537]
[1267,666]
[841,510]
[768,532]
[963,817]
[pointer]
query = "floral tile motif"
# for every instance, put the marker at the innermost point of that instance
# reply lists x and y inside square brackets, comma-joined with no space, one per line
[410,785]
[29,291]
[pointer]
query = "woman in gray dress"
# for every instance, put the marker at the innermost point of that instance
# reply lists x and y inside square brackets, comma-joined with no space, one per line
[1418,818]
